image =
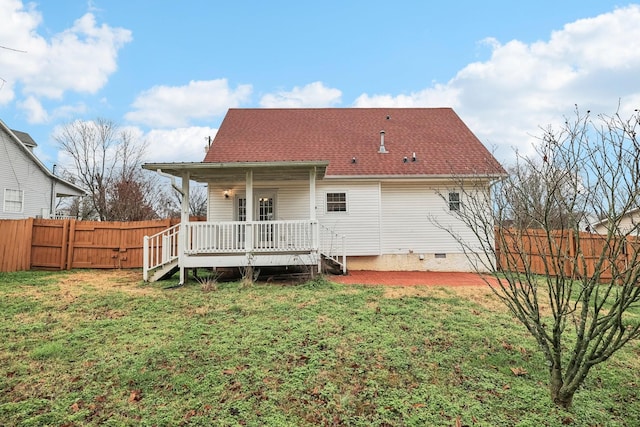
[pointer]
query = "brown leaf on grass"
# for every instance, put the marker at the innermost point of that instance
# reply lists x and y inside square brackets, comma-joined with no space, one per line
[76,407]
[458,421]
[507,346]
[567,420]
[135,396]
[519,372]
[229,371]
[418,405]
[506,387]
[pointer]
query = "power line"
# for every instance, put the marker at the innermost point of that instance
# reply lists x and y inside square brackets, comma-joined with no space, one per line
[10,48]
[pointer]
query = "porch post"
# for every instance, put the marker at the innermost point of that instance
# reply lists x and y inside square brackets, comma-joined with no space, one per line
[248,231]
[249,226]
[184,219]
[315,227]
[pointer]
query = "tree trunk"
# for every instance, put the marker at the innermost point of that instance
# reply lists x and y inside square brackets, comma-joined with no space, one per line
[559,395]
[562,399]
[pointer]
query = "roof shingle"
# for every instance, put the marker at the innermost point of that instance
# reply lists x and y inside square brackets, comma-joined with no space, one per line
[442,143]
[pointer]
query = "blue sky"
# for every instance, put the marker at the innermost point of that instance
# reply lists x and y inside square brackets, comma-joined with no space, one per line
[169,70]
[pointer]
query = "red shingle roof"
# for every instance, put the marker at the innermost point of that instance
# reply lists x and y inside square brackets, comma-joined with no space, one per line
[442,143]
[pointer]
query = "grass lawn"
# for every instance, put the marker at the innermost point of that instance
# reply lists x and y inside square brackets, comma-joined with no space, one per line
[102,348]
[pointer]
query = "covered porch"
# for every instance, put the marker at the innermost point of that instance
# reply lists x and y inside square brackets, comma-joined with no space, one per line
[243,227]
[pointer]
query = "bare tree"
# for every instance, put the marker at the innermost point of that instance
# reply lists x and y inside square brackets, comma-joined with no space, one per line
[578,309]
[197,202]
[106,161]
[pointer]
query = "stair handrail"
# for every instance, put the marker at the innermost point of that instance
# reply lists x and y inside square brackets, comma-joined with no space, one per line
[160,249]
[333,246]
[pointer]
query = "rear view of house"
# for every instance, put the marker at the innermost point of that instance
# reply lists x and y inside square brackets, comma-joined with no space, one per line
[27,187]
[361,186]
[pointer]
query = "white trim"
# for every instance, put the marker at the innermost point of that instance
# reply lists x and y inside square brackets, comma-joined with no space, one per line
[346,203]
[6,199]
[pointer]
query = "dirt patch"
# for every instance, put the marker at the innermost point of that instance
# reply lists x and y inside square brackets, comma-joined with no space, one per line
[129,281]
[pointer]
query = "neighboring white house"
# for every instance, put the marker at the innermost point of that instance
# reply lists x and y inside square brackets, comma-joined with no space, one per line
[358,185]
[629,223]
[27,188]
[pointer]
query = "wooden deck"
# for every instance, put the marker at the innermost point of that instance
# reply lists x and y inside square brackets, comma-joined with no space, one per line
[242,244]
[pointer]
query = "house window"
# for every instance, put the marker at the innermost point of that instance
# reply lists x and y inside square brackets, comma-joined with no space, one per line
[13,200]
[454,201]
[242,209]
[336,202]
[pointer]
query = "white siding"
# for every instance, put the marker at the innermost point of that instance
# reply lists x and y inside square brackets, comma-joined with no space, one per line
[19,172]
[291,199]
[361,222]
[388,218]
[219,207]
[410,214]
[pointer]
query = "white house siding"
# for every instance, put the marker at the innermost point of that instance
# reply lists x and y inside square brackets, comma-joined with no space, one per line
[628,223]
[388,225]
[291,199]
[220,208]
[413,238]
[361,223]
[19,172]
[408,211]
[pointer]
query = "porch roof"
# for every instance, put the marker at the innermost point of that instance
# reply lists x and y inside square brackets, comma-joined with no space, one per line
[203,172]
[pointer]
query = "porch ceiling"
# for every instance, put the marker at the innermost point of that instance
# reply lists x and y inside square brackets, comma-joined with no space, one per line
[204,172]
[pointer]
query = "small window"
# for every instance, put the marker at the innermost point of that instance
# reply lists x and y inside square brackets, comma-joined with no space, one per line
[454,201]
[13,200]
[336,202]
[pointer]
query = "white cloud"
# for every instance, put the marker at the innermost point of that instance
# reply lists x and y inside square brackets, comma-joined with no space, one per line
[34,110]
[178,145]
[175,106]
[312,95]
[78,59]
[591,62]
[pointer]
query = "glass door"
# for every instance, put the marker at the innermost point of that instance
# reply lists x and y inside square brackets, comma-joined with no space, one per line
[265,211]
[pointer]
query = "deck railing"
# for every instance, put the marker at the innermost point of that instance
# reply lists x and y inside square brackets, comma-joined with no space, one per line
[160,249]
[251,236]
[333,246]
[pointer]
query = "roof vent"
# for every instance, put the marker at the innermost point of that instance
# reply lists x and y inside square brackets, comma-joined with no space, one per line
[382,150]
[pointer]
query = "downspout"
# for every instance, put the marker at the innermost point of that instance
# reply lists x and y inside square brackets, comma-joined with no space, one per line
[52,205]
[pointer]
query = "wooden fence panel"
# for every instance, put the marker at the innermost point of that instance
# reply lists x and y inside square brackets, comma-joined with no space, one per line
[111,244]
[132,237]
[48,245]
[571,254]
[66,244]
[15,244]
[96,244]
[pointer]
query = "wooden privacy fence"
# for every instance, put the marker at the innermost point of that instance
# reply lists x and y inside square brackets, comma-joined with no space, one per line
[66,244]
[567,254]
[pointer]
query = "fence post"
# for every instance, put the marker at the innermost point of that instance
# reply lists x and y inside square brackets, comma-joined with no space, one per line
[29,239]
[64,244]
[70,247]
